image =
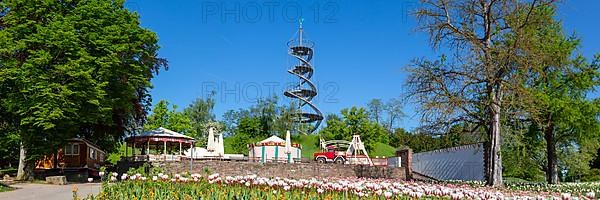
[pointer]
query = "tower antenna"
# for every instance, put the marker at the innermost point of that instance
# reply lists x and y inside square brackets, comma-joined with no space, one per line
[305,90]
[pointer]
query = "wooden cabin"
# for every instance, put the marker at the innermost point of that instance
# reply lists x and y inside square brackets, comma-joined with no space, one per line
[78,154]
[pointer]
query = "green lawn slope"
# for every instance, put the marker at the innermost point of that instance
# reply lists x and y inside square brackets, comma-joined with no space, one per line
[310,144]
[382,149]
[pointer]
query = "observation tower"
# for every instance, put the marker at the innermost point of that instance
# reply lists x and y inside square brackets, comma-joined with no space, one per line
[305,90]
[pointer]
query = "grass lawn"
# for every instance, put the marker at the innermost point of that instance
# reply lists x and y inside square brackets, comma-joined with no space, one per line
[310,144]
[227,146]
[4,188]
[382,149]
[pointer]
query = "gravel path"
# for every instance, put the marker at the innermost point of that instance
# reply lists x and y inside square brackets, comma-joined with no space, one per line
[27,191]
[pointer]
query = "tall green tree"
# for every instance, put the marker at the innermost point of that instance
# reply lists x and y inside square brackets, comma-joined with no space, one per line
[560,110]
[170,118]
[261,120]
[563,115]
[376,107]
[73,68]
[159,116]
[596,162]
[248,131]
[354,121]
[420,141]
[200,114]
[394,112]
[9,147]
[275,119]
[475,85]
[386,113]
[524,150]
[335,129]
[231,119]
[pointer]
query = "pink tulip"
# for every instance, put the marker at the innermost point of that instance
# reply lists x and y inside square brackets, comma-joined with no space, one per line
[590,195]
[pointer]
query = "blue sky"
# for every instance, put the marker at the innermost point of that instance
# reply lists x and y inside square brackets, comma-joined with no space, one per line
[239,48]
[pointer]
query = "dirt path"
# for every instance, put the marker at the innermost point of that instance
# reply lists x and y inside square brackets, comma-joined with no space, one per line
[30,191]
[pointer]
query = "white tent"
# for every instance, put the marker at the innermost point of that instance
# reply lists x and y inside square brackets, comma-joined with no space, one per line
[274,149]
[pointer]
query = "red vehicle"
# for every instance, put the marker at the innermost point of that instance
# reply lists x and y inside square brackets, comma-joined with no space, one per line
[343,152]
[330,156]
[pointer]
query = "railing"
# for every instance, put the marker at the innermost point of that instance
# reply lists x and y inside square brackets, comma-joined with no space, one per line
[153,157]
[137,158]
[273,160]
[166,157]
[380,161]
[357,160]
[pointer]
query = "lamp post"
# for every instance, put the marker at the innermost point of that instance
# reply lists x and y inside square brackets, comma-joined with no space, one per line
[191,157]
[134,131]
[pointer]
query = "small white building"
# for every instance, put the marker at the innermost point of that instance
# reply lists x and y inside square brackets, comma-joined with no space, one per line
[274,149]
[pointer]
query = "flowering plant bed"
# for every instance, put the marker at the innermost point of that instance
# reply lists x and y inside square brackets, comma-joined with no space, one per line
[253,187]
[587,189]
[582,189]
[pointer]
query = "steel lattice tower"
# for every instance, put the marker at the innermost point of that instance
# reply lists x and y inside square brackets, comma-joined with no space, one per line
[305,90]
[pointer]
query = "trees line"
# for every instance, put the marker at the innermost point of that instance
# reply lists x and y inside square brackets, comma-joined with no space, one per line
[523,151]
[516,76]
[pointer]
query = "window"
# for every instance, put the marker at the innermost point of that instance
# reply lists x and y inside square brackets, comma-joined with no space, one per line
[101,157]
[72,149]
[92,154]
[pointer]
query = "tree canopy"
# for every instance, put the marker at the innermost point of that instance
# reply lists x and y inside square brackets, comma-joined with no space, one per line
[481,81]
[73,68]
[354,121]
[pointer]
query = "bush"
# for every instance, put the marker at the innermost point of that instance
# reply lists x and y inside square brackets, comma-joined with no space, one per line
[592,175]
[4,188]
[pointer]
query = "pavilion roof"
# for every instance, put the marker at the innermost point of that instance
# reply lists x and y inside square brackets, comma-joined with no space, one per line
[273,138]
[164,133]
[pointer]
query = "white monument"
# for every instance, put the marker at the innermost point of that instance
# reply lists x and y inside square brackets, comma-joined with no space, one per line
[214,149]
[215,144]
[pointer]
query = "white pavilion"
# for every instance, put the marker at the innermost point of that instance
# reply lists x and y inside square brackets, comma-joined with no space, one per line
[275,149]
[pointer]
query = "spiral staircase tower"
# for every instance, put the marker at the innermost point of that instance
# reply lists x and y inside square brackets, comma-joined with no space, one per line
[305,90]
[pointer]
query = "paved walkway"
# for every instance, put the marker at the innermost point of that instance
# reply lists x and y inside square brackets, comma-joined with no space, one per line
[30,191]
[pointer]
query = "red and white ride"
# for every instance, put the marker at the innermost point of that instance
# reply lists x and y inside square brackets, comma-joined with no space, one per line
[355,152]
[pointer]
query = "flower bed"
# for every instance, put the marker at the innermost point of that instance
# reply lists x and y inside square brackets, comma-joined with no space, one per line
[587,189]
[253,187]
[582,189]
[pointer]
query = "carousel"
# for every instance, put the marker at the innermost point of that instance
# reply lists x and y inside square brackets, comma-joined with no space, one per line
[275,149]
[159,145]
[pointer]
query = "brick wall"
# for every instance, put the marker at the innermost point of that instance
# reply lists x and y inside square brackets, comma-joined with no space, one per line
[406,161]
[296,170]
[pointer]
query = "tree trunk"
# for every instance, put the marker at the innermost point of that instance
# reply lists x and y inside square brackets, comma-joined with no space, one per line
[25,169]
[392,118]
[552,166]
[494,157]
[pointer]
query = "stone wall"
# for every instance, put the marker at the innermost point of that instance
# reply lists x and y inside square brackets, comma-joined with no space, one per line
[296,170]
[406,155]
